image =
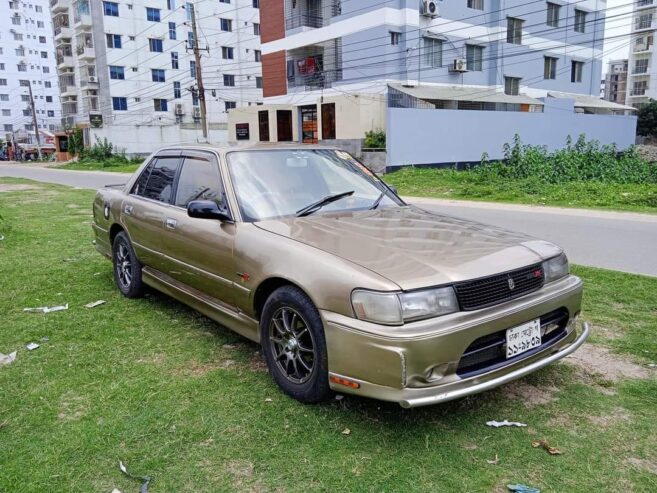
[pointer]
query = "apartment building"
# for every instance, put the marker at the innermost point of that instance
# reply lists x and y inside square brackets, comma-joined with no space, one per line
[127,70]
[640,84]
[27,58]
[615,81]
[333,69]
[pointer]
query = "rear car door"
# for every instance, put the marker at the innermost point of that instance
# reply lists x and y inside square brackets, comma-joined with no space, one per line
[144,210]
[201,250]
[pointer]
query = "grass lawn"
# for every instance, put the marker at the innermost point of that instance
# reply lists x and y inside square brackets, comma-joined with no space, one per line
[450,184]
[177,397]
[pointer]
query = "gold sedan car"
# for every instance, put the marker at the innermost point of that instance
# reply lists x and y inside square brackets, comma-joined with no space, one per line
[346,287]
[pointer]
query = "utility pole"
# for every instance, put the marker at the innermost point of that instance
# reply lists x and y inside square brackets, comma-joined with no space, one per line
[34,120]
[199,72]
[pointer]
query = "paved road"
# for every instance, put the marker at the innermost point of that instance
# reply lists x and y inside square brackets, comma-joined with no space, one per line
[611,240]
[78,179]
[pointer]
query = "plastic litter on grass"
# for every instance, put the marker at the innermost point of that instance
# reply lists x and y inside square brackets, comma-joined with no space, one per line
[45,309]
[499,424]
[522,488]
[94,304]
[145,480]
[32,346]
[7,359]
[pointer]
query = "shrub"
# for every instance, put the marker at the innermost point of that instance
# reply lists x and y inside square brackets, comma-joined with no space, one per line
[375,139]
[582,161]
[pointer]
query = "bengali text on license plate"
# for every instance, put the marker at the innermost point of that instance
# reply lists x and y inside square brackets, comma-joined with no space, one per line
[523,338]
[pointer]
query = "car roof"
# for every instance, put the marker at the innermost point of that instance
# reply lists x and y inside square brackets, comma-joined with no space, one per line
[224,148]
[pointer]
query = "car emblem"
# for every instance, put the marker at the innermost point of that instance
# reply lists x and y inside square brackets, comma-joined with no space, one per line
[512,285]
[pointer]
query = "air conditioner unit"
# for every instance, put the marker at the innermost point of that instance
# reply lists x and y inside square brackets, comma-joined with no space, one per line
[430,9]
[93,79]
[197,112]
[180,109]
[459,65]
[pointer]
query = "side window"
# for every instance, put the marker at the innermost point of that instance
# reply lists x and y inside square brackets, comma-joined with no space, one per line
[159,185]
[140,184]
[199,180]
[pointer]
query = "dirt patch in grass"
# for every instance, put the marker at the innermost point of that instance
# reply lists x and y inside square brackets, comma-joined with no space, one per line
[530,395]
[601,361]
[618,415]
[12,187]
[643,464]
[258,362]
[72,406]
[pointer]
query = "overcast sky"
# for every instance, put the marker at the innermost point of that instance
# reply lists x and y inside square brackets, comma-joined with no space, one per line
[619,18]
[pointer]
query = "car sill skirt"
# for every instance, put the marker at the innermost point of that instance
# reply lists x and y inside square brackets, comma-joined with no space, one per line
[489,384]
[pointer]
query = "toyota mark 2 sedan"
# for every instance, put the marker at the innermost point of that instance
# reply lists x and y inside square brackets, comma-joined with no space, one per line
[346,287]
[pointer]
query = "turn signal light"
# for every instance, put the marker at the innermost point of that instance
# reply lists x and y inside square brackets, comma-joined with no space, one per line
[345,382]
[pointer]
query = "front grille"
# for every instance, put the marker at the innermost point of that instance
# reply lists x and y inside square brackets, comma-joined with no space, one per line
[489,352]
[488,291]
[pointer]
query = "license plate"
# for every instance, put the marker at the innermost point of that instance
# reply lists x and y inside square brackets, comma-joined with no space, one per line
[523,338]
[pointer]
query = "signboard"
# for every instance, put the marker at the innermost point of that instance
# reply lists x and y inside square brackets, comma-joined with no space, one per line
[242,131]
[96,121]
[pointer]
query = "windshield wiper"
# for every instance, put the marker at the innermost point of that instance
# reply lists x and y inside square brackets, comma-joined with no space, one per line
[378,200]
[315,206]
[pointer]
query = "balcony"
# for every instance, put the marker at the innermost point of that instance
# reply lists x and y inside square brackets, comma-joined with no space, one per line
[310,13]
[64,61]
[638,92]
[58,6]
[315,66]
[644,4]
[81,15]
[85,52]
[69,108]
[306,19]
[644,25]
[642,48]
[61,26]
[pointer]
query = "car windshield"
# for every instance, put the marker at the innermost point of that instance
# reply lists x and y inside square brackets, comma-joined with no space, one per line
[278,183]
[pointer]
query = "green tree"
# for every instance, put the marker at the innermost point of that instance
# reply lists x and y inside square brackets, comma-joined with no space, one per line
[647,123]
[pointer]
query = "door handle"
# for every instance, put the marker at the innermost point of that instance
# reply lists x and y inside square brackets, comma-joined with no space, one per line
[127,209]
[170,223]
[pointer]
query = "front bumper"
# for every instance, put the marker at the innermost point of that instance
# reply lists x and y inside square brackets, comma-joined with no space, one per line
[416,364]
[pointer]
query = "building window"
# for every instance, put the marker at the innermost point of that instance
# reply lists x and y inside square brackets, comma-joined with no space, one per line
[640,66]
[227,53]
[157,75]
[514,30]
[258,82]
[189,8]
[172,30]
[473,57]
[2,66]
[224,1]
[152,14]
[171,4]
[42,39]
[6,112]
[177,93]
[116,72]
[18,37]
[160,104]
[20,51]
[226,25]
[644,21]
[511,86]
[47,84]
[639,88]
[258,55]
[580,21]
[16,20]
[256,4]
[433,52]
[51,113]
[4,97]
[40,24]
[192,69]
[190,40]
[576,69]
[256,29]
[174,59]
[229,105]
[476,4]
[395,38]
[553,14]
[120,104]
[550,67]
[155,45]
[9,127]
[229,80]
[111,9]
[22,67]
[113,40]
[25,98]
[46,70]
[48,99]
[3,82]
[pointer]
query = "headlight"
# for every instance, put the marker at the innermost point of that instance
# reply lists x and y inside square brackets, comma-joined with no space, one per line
[397,308]
[556,268]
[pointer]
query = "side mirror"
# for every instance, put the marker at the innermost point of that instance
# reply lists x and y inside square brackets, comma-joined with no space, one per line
[208,209]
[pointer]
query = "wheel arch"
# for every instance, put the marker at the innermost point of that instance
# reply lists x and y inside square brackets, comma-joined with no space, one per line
[114,230]
[267,287]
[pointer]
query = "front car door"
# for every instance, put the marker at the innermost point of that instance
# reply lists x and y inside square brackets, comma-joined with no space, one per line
[200,250]
[144,210]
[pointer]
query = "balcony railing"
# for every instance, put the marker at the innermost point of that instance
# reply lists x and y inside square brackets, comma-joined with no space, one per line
[644,3]
[638,92]
[640,70]
[292,21]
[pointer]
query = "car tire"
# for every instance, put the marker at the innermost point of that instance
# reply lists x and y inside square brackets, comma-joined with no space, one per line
[293,342]
[127,268]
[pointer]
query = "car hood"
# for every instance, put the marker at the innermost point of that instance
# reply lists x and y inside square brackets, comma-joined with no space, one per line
[415,248]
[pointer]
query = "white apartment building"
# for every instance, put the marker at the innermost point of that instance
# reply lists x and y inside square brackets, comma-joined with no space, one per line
[27,57]
[641,85]
[126,70]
